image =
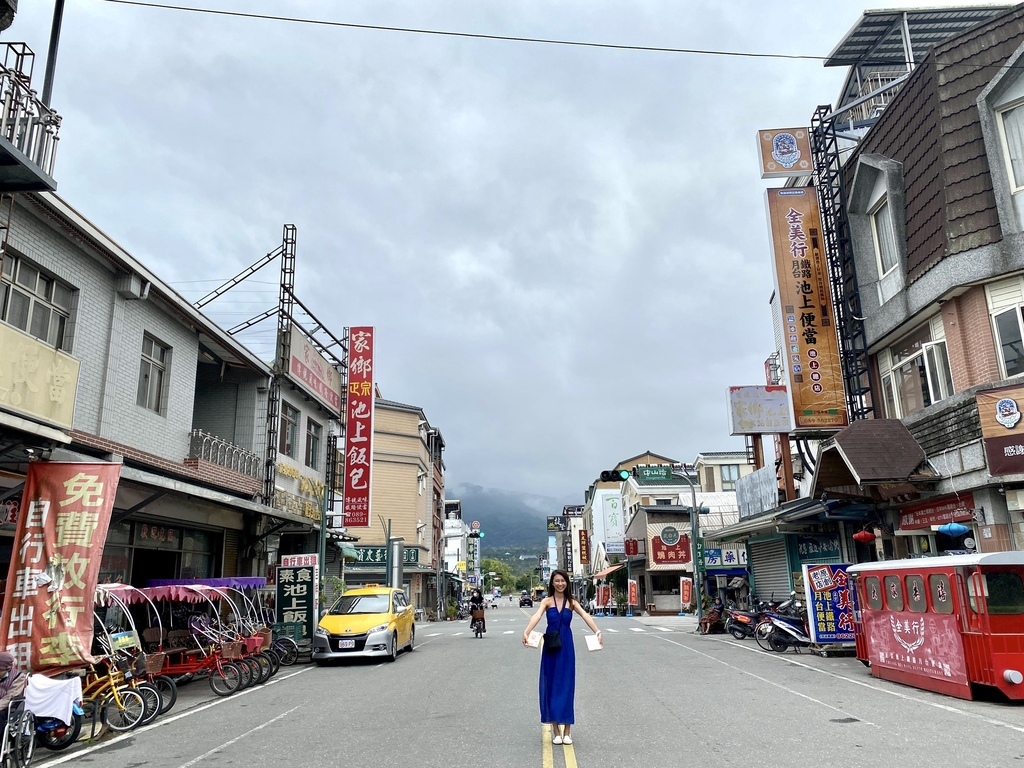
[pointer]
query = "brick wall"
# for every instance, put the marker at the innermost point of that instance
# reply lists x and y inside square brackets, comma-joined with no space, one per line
[969,340]
[199,470]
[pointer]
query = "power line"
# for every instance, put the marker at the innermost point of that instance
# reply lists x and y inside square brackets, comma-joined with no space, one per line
[469,35]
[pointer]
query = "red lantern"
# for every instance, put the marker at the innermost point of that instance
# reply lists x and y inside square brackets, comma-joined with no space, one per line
[864,537]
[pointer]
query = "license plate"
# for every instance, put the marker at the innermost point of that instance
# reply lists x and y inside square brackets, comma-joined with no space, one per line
[346,643]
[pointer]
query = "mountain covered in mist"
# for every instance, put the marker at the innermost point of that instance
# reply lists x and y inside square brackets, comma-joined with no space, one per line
[509,519]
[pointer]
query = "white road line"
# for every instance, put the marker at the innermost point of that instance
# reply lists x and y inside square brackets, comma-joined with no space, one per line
[509,632]
[769,682]
[205,755]
[165,721]
[434,634]
[637,629]
[663,629]
[613,630]
[458,633]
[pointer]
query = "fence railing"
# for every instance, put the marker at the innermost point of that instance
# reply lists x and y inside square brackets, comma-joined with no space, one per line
[216,450]
[25,121]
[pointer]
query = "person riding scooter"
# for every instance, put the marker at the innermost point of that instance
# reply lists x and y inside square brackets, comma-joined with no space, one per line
[476,602]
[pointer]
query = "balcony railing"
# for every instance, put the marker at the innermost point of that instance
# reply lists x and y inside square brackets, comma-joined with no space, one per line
[218,451]
[25,121]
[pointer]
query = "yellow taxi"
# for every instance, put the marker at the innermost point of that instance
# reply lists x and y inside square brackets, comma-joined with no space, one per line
[368,621]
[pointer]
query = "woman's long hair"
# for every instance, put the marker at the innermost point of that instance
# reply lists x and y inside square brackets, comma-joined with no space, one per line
[569,601]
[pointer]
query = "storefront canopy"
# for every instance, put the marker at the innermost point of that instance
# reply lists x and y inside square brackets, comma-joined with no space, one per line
[604,574]
[231,582]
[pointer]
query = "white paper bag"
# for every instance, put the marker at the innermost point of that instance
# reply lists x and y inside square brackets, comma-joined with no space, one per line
[593,644]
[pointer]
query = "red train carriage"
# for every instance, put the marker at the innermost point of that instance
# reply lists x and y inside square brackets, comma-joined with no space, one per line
[944,623]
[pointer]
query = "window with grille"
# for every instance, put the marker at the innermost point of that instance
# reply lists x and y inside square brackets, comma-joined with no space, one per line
[289,437]
[314,434]
[35,302]
[153,374]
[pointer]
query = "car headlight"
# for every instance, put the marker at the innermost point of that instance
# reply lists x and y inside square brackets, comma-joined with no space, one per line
[379,628]
[322,632]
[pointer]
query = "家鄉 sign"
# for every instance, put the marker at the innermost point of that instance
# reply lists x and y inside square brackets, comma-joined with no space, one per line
[805,302]
[359,428]
[759,410]
[298,589]
[47,618]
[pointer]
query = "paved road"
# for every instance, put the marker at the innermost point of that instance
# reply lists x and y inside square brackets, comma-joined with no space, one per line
[657,695]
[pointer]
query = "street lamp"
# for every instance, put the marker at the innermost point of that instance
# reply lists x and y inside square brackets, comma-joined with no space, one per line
[694,533]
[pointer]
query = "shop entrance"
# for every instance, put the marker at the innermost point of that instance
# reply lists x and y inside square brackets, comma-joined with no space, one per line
[153,564]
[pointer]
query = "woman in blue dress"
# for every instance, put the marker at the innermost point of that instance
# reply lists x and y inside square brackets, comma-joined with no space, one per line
[558,669]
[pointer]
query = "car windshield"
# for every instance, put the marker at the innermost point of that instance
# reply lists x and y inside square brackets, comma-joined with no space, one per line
[349,604]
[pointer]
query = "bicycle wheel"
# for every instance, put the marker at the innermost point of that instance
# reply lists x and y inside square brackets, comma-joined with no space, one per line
[274,659]
[265,667]
[762,634]
[244,674]
[151,698]
[255,671]
[168,692]
[123,711]
[225,681]
[24,740]
[288,650]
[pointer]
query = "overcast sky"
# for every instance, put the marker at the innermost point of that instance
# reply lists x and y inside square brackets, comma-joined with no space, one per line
[563,249]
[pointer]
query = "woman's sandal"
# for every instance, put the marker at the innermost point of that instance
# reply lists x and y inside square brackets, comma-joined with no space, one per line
[556,739]
[567,739]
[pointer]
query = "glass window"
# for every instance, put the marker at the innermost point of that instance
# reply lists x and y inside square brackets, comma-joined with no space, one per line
[940,378]
[894,593]
[40,305]
[289,437]
[1012,123]
[973,582]
[873,592]
[942,598]
[919,375]
[730,474]
[885,239]
[916,594]
[1005,592]
[152,374]
[313,435]
[1008,338]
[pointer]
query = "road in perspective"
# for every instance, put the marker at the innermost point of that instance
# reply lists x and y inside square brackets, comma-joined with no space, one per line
[657,695]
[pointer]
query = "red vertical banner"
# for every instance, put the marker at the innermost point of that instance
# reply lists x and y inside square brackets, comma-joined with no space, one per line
[634,592]
[685,591]
[47,613]
[359,428]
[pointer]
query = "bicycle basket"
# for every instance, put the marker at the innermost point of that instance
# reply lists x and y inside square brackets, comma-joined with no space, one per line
[231,650]
[155,663]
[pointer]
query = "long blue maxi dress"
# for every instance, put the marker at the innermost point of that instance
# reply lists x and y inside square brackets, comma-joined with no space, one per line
[558,672]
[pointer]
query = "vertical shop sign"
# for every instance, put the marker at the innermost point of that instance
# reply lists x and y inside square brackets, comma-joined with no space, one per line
[614,527]
[685,591]
[633,592]
[831,603]
[47,618]
[584,546]
[805,301]
[298,591]
[359,428]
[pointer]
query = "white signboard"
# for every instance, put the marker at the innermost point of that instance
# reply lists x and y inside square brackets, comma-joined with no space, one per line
[757,492]
[759,410]
[311,369]
[614,525]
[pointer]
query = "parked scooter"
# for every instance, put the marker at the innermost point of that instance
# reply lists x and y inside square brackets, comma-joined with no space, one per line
[779,632]
[55,734]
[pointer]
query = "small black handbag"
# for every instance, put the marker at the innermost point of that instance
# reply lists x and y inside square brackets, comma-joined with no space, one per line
[553,640]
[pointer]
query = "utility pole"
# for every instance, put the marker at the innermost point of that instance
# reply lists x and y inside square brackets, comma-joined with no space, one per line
[694,534]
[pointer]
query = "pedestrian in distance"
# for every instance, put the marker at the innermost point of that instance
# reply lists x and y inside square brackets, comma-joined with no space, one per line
[476,603]
[558,667]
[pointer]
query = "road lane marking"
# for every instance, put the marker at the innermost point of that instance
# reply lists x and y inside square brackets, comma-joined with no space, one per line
[546,757]
[241,736]
[74,755]
[612,630]
[570,755]
[458,633]
[637,629]
[434,634]
[769,682]
[663,629]
[879,689]
[509,632]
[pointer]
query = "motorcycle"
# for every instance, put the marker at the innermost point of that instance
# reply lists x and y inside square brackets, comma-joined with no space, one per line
[780,632]
[741,624]
[53,733]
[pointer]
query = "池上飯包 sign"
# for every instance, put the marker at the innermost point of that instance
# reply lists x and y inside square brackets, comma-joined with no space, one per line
[410,555]
[47,618]
[831,603]
[359,428]
[298,592]
[805,304]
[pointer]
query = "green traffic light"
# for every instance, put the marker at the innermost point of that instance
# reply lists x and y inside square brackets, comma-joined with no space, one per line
[624,474]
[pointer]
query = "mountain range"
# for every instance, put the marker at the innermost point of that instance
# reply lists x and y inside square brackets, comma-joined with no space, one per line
[509,519]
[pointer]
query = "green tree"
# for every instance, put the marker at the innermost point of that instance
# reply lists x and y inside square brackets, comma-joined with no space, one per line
[504,578]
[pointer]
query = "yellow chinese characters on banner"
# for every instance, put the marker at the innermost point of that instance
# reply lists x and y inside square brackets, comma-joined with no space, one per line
[810,344]
[47,614]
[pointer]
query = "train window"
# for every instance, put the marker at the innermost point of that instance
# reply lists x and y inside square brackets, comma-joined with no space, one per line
[942,600]
[973,580]
[1005,592]
[873,592]
[894,593]
[916,600]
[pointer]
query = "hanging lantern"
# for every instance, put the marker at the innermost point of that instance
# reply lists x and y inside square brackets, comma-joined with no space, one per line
[953,529]
[864,537]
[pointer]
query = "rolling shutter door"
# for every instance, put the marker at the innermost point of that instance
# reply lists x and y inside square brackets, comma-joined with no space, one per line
[770,568]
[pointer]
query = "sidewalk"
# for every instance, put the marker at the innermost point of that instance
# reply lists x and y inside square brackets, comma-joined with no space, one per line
[686,623]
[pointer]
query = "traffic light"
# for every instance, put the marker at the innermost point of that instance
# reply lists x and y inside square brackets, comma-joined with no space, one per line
[614,475]
[476,535]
